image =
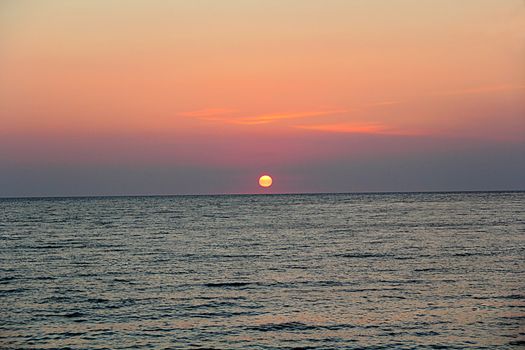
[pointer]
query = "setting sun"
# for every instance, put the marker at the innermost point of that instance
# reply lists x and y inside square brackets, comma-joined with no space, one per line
[142,138]
[265,181]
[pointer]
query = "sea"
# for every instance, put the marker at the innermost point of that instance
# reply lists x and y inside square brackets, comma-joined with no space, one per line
[319,271]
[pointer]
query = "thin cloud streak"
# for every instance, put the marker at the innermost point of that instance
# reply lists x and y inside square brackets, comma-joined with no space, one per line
[355,128]
[217,115]
[268,118]
[346,128]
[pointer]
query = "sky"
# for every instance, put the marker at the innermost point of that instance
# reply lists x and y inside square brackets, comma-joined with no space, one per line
[126,97]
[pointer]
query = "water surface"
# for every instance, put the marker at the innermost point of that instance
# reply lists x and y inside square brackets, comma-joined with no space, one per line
[421,270]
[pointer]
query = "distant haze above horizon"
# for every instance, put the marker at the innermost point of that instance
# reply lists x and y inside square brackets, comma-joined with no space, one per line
[203,97]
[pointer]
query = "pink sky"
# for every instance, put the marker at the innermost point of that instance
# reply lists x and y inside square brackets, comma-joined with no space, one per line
[241,87]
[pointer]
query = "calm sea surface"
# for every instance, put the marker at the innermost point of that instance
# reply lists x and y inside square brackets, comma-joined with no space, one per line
[378,271]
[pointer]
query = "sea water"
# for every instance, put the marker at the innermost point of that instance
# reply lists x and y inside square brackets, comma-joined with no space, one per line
[324,271]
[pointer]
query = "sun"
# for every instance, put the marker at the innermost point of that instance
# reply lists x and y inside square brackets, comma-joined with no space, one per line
[265,181]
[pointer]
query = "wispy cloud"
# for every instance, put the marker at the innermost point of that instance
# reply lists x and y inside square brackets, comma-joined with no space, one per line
[346,128]
[229,115]
[268,118]
[358,128]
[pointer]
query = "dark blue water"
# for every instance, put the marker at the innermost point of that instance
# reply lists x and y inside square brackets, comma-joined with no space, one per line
[425,271]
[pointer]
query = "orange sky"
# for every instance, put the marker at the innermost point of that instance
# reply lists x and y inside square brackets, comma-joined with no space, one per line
[161,82]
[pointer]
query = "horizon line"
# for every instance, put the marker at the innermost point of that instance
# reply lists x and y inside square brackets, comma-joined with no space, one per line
[258,194]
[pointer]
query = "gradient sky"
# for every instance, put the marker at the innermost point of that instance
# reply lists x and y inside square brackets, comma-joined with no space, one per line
[104,97]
